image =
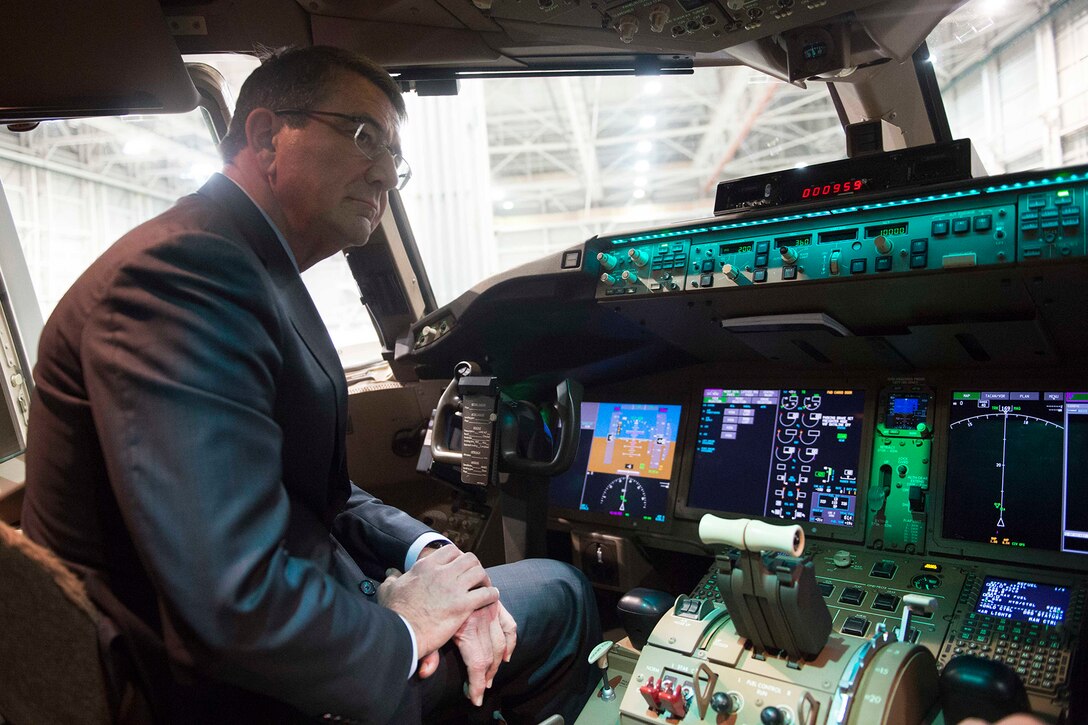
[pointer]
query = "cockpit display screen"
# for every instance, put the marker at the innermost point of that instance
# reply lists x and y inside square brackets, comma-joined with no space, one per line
[626,457]
[790,454]
[1024,601]
[1017,469]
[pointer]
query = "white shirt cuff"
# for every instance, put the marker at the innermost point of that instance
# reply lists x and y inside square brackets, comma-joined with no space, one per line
[415,647]
[418,546]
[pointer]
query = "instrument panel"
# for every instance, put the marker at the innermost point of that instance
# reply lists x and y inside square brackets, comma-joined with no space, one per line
[969,224]
[970,491]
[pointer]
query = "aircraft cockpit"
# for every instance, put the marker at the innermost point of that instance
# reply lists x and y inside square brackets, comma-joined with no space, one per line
[786,355]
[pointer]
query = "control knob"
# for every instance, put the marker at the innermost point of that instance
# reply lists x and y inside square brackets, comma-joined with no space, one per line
[608,261]
[789,254]
[833,262]
[773,716]
[627,26]
[659,16]
[638,256]
[734,274]
[608,279]
[883,246]
[723,704]
[630,275]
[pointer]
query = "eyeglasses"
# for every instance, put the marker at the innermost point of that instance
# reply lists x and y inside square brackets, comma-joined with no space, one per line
[367,137]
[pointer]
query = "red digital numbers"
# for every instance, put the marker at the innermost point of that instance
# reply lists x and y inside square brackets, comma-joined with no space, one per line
[839,187]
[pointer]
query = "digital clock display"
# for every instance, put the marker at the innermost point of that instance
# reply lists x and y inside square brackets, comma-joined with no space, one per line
[833,188]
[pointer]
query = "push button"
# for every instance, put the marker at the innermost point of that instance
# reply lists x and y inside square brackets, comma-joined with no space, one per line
[884,569]
[763,247]
[761,260]
[707,265]
[826,588]
[789,273]
[919,246]
[707,280]
[857,266]
[984,223]
[856,625]
[883,264]
[760,275]
[939,227]
[961,226]
[852,596]
[886,601]
[917,261]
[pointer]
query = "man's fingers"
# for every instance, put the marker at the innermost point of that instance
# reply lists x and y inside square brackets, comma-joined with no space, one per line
[509,630]
[476,685]
[437,557]
[498,643]
[427,665]
[481,597]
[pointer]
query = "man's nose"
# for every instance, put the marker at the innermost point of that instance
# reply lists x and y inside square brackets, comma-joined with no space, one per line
[383,171]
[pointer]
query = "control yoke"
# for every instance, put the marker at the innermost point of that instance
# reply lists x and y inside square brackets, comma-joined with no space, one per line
[769,588]
[499,433]
[478,400]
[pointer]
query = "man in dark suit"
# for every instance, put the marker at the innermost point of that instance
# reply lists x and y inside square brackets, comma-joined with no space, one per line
[186,453]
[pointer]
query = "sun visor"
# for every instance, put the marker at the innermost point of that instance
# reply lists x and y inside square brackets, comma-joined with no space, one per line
[64,59]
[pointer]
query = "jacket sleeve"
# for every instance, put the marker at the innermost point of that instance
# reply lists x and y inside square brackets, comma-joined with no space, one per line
[374,532]
[182,364]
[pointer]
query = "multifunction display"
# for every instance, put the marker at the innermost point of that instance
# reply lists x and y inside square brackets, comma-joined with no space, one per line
[906,411]
[1017,471]
[789,454]
[1024,601]
[626,456]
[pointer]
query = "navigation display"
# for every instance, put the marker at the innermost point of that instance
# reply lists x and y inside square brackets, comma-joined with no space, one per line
[790,454]
[626,456]
[1017,469]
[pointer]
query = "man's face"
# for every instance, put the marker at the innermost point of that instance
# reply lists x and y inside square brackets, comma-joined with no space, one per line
[330,194]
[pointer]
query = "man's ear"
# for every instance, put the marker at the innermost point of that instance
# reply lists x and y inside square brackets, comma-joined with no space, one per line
[261,128]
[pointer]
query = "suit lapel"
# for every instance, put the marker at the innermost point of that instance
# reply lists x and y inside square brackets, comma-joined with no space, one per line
[259,235]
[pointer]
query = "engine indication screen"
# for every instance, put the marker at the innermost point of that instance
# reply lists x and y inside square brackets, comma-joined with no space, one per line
[1017,469]
[626,456]
[1024,601]
[789,454]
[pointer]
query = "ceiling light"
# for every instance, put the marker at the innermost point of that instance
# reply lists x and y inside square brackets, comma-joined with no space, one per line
[644,146]
[639,193]
[508,205]
[640,181]
[647,121]
[651,88]
[642,165]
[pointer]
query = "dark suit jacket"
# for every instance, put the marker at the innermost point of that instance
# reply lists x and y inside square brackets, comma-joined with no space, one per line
[186,455]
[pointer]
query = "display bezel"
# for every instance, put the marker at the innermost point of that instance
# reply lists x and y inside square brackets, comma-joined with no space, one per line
[577,515]
[825,532]
[946,545]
